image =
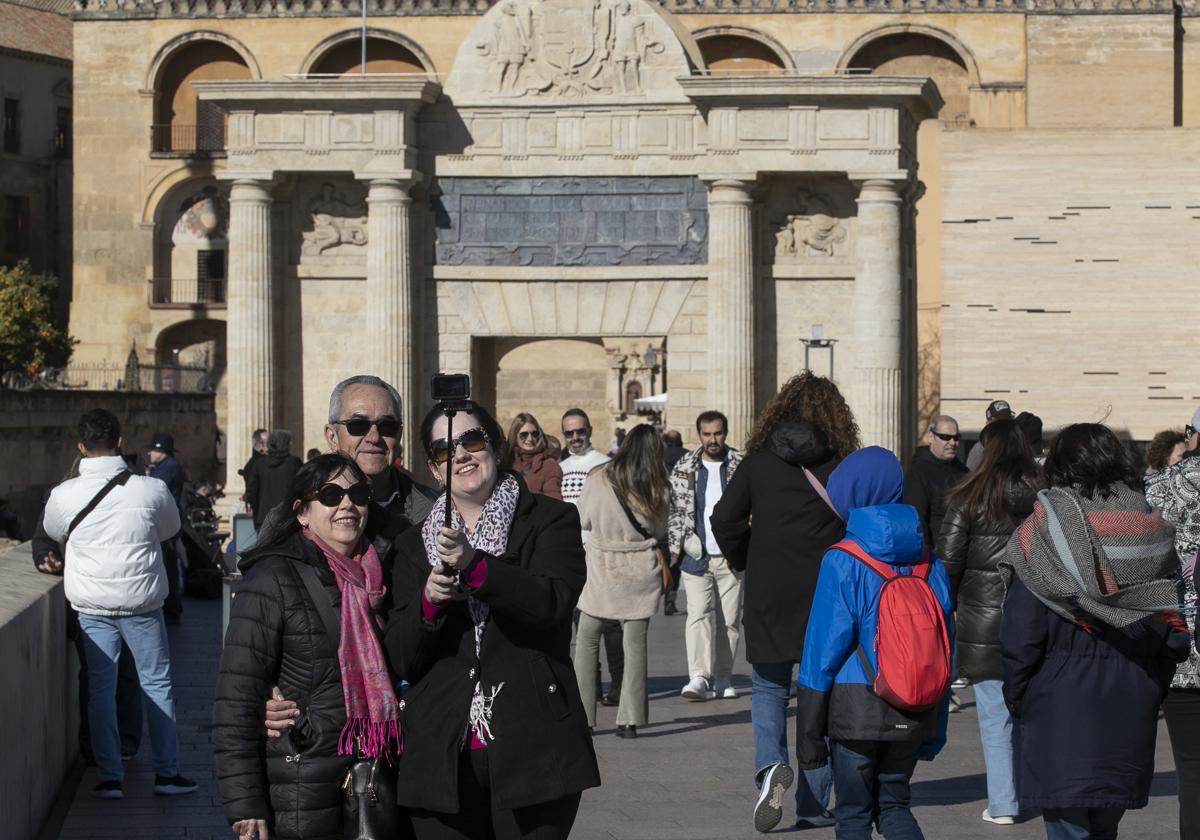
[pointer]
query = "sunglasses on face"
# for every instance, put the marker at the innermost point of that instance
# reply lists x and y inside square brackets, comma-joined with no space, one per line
[1188,431]
[472,440]
[331,495]
[388,427]
[946,438]
[572,433]
[534,435]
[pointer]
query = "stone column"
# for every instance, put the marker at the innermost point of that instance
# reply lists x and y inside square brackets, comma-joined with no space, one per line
[731,304]
[250,329]
[878,292]
[391,299]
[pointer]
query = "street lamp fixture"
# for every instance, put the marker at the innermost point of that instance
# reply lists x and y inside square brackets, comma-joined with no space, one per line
[820,342]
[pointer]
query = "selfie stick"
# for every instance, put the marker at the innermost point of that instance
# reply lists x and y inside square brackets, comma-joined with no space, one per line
[449,410]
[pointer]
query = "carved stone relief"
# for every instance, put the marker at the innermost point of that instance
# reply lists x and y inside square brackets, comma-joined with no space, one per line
[807,226]
[338,220]
[567,49]
[203,218]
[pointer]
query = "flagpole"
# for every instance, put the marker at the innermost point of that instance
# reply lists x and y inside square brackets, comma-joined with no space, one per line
[362,69]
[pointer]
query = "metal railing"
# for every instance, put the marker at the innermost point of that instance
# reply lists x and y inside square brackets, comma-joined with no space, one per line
[175,290]
[201,139]
[109,376]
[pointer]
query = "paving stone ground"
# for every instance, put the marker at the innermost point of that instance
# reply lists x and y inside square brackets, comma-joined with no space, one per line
[688,776]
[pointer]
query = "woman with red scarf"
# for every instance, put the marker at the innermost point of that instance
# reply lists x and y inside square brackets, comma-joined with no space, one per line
[310,565]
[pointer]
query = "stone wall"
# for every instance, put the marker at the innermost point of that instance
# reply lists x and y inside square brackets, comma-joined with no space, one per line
[1071,275]
[38,433]
[39,708]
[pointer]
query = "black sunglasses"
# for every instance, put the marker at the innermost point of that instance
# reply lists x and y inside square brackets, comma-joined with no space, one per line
[1188,431]
[534,435]
[331,495]
[472,440]
[359,426]
[946,438]
[575,433]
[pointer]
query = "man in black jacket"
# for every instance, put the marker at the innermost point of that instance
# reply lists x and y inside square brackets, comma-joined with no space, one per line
[934,470]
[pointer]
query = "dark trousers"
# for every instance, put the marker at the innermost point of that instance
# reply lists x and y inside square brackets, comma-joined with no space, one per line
[1082,823]
[129,703]
[173,606]
[872,783]
[1182,711]
[479,819]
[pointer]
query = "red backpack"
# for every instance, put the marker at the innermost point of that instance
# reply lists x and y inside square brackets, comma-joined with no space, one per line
[912,645]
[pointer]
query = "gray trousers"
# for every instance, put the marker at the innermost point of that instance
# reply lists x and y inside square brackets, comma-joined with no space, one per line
[634,707]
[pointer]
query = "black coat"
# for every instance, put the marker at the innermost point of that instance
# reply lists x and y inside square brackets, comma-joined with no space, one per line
[268,482]
[276,637]
[541,750]
[925,485]
[971,549]
[781,552]
[1085,705]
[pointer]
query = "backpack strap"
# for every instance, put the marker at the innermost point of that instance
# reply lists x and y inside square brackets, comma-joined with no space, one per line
[878,566]
[322,601]
[116,481]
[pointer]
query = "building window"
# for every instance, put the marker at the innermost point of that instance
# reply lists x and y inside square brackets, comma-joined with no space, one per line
[210,276]
[16,226]
[62,134]
[633,393]
[12,126]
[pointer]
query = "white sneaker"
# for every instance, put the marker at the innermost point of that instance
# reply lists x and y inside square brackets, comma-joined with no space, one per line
[987,817]
[698,689]
[725,690]
[961,682]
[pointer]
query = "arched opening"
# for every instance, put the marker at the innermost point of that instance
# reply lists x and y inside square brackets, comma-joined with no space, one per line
[183,123]
[633,393]
[383,56]
[191,245]
[920,54]
[191,357]
[729,54]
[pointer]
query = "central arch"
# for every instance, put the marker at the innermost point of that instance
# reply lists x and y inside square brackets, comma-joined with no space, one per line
[387,52]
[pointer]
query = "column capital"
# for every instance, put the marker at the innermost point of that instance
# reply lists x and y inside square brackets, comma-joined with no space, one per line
[880,190]
[730,189]
[265,176]
[404,179]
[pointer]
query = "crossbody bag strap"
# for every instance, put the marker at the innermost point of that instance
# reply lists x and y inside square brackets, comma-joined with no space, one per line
[113,483]
[637,526]
[322,601]
[820,490]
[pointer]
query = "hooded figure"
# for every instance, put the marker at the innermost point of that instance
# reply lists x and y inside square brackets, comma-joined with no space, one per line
[873,746]
[269,478]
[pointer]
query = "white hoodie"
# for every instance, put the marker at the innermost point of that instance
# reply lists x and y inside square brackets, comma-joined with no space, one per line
[113,563]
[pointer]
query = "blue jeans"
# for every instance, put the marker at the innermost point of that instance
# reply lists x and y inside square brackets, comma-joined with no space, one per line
[996,734]
[1082,823]
[146,636]
[872,780]
[771,683]
[129,702]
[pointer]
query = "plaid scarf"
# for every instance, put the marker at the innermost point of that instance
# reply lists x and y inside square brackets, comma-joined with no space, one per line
[1109,560]
[372,709]
[490,535]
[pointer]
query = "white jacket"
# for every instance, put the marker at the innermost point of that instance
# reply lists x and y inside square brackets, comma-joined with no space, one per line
[114,562]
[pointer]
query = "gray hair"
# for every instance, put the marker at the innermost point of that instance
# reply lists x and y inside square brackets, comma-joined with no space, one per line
[279,442]
[933,421]
[335,398]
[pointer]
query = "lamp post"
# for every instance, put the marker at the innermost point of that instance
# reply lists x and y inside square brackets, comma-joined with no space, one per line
[820,342]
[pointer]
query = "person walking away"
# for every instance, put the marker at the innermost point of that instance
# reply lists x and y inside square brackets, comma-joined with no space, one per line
[673,448]
[525,454]
[714,591]
[874,741]
[1090,637]
[774,524]
[1166,449]
[111,525]
[983,513]
[1175,490]
[934,470]
[163,466]
[271,476]
[580,462]
[996,410]
[624,509]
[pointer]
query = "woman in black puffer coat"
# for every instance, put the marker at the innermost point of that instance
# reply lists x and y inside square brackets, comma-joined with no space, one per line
[982,513]
[277,636]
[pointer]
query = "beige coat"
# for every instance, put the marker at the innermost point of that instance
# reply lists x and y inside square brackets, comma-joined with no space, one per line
[623,580]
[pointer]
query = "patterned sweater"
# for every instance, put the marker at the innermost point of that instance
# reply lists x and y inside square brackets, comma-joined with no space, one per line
[1176,492]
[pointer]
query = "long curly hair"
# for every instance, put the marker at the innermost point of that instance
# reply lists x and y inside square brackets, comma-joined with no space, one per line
[815,399]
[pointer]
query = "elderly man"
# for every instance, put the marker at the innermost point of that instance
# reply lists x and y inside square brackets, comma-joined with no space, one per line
[934,470]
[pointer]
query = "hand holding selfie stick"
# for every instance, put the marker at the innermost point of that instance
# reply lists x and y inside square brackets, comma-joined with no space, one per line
[450,391]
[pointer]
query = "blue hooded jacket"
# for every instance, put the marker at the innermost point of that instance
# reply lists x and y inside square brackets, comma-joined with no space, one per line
[836,699]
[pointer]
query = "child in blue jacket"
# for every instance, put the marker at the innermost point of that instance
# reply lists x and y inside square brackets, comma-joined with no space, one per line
[873,746]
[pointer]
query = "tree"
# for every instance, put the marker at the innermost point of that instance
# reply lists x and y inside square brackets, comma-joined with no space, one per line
[29,338]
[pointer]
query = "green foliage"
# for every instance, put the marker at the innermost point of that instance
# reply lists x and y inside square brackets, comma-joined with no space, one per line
[29,339]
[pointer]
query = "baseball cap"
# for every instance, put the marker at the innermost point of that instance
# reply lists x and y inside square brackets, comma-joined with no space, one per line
[999,410]
[163,442]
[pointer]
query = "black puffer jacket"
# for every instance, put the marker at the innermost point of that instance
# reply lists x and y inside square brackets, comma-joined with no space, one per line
[971,549]
[276,637]
[268,481]
[781,553]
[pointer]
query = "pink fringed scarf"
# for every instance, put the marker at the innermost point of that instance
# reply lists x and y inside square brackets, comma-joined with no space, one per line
[372,709]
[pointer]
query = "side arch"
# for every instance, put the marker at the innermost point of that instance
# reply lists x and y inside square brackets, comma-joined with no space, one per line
[949,39]
[167,51]
[317,53]
[786,59]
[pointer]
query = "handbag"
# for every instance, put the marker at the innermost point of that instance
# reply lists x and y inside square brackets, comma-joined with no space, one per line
[660,550]
[370,810]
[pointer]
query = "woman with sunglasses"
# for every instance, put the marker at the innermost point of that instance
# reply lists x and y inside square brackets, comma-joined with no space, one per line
[311,548]
[527,455]
[496,741]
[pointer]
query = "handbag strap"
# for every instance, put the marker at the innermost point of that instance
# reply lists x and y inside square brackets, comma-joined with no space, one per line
[322,601]
[637,526]
[113,483]
[820,490]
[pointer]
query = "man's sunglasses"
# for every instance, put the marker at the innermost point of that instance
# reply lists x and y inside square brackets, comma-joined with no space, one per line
[1188,431]
[472,440]
[534,435]
[331,495]
[946,438]
[575,433]
[388,427]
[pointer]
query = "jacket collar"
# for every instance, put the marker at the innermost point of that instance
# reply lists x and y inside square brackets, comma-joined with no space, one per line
[103,465]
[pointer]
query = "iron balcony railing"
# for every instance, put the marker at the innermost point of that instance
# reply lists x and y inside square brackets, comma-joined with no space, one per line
[189,291]
[205,138]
